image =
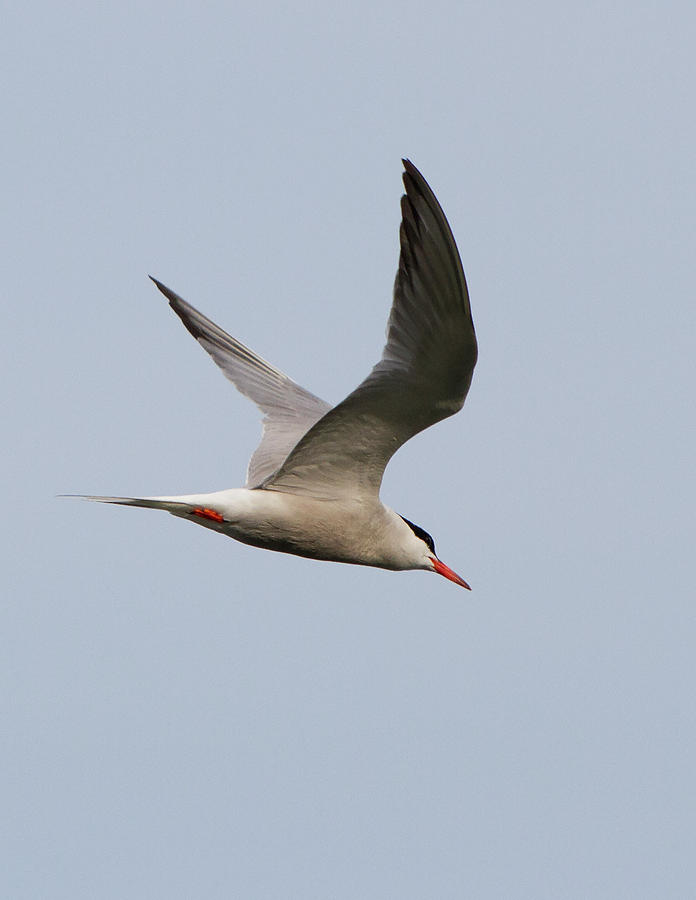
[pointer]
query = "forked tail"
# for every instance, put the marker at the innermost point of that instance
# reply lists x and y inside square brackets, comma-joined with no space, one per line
[192,507]
[173,506]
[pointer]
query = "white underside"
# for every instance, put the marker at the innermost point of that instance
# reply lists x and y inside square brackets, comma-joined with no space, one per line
[352,531]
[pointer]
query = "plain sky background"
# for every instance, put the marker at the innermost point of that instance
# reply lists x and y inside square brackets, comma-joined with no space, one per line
[187,717]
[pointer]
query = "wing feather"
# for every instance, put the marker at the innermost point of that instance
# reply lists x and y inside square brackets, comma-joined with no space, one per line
[424,373]
[289,410]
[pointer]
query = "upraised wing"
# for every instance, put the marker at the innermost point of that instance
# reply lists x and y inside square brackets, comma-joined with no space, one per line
[424,373]
[289,410]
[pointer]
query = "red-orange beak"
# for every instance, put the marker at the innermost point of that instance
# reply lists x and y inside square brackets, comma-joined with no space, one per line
[442,569]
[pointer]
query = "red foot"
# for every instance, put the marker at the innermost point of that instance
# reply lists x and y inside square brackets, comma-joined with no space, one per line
[204,513]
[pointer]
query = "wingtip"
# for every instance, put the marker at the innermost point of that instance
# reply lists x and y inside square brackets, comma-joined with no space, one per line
[168,293]
[412,178]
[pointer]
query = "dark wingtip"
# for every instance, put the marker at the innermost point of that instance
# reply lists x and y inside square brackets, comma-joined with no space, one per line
[412,170]
[158,284]
[174,299]
[414,182]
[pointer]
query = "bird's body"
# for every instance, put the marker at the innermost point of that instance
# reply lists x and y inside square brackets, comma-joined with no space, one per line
[332,530]
[313,483]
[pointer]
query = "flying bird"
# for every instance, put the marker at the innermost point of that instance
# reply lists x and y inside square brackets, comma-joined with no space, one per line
[312,486]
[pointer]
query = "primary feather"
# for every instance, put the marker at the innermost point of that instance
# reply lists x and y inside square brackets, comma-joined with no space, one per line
[423,376]
[289,410]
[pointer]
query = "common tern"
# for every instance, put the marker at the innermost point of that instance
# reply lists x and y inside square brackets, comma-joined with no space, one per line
[312,486]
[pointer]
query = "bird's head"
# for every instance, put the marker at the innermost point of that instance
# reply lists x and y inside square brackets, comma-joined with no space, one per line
[425,550]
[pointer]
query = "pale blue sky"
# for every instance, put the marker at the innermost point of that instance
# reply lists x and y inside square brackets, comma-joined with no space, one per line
[188,717]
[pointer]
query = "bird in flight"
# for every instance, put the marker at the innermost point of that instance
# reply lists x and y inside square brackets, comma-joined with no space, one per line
[312,486]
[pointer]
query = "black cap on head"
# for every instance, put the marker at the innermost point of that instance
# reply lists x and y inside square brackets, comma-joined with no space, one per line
[422,534]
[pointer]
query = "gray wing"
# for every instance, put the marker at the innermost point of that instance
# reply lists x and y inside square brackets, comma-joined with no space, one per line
[424,373]
[289,410]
